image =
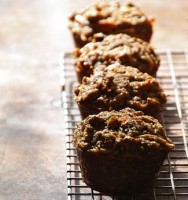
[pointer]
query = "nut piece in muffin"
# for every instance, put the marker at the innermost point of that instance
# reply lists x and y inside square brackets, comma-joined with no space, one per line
[116,48]
[115,87]
[109,18]
[121,151]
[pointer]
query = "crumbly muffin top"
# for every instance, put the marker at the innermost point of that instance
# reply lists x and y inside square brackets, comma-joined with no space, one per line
[115,87]
[120,48]
[107,17]
[121,132]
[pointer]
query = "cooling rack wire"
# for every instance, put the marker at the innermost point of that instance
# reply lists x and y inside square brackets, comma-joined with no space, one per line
[172,183]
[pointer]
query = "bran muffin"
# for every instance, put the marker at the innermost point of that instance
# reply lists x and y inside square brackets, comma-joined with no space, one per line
[109,18]
[115,87]
[120,152]
[115,48]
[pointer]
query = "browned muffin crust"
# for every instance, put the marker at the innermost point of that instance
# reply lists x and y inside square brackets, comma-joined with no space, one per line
[115,87]
[111,132]
[116,48]
[109,18]
[120,151]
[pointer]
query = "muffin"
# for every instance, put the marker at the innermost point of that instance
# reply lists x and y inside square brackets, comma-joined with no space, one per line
[120,151]
[109,18]
[116,48]
[115,87]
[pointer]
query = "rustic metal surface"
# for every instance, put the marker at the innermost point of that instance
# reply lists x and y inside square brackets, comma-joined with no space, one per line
[32,36]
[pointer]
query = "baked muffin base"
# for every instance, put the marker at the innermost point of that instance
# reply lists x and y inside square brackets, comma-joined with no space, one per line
[119,176]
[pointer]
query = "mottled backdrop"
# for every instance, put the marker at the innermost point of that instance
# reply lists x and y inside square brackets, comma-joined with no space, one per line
[33,33]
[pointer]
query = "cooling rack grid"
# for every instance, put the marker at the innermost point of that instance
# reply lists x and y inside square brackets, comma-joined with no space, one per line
[172,183]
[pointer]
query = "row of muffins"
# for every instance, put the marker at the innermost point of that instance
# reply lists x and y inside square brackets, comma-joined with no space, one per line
[119,143]
[108,84]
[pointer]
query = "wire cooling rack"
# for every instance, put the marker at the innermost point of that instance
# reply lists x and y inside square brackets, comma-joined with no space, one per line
[172,183]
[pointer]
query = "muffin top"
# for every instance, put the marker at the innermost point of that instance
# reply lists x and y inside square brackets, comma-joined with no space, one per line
[116,86]
[116,48]
[121,132]
[109,18]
